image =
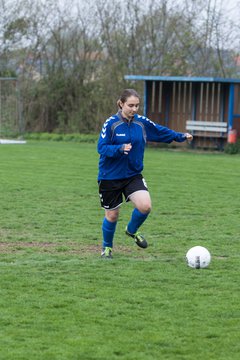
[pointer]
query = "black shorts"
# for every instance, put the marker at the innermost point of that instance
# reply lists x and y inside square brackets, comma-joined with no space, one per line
[111,191]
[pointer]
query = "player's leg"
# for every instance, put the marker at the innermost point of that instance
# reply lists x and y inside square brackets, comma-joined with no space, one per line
[142,207]
[141,200]
[108,230]
[110,201]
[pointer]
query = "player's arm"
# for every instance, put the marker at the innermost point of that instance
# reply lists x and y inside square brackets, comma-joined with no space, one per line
[105,146]
[159,133]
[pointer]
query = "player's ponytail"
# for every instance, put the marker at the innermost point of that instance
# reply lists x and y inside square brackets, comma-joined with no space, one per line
[119,104]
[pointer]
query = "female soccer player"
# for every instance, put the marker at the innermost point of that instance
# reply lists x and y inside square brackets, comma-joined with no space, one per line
[121,147]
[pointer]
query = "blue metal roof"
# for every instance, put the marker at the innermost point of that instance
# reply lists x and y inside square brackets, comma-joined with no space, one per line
[181,78]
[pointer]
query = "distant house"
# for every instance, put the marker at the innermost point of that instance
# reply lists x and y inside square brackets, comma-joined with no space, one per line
[172,101]
[237,61]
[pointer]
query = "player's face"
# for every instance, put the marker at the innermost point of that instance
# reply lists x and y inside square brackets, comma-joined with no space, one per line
[130,107]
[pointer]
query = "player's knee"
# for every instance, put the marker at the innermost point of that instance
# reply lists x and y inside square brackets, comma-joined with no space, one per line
[112,216]
[145,208]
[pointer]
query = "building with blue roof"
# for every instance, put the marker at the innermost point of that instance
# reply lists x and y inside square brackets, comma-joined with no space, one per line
[209,106]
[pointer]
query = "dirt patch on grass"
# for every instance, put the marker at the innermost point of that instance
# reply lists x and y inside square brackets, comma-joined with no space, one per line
[48,247]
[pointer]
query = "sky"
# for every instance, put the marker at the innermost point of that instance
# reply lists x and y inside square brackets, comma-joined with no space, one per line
[229,6]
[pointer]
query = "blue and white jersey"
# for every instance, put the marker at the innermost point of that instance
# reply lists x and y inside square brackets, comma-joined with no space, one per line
[116,131]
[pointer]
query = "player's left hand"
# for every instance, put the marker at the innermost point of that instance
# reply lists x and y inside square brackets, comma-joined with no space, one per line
[188,136]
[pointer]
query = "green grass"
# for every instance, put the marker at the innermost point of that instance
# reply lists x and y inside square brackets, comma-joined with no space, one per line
[60,300]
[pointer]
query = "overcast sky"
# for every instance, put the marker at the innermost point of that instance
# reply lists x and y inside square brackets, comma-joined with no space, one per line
[230,6]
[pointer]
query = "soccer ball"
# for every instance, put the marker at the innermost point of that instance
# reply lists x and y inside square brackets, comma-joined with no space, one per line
[198,257]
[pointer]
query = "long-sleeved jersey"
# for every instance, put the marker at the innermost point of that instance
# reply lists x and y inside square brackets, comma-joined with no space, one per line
[113,163]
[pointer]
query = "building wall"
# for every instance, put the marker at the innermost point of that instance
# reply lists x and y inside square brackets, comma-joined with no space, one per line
[172,103]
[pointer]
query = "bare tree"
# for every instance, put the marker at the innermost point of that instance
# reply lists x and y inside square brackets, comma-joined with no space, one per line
[71,57]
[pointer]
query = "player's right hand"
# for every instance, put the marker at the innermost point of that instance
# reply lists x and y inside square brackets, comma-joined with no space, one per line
[127,148]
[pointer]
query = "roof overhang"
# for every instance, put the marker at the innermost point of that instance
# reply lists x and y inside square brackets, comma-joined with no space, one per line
[181,79]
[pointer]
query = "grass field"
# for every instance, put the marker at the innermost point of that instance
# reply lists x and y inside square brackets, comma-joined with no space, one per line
[60,300]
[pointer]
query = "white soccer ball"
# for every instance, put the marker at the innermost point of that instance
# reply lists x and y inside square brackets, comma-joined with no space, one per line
[198,257]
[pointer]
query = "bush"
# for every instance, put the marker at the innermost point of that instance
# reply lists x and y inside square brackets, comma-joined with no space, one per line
[232,148]
[80,138]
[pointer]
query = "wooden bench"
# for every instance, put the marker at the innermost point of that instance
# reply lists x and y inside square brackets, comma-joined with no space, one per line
[212,132]
[207,128]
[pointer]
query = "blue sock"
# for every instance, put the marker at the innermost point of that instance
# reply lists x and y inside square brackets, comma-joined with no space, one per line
[108,230]
[136,221]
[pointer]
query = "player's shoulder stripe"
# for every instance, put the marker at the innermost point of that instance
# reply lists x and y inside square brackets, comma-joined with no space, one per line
[141,117]
[145,119]
[105,125]
[108,120]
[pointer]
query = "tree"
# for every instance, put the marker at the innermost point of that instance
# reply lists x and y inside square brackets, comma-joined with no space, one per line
[71,57]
